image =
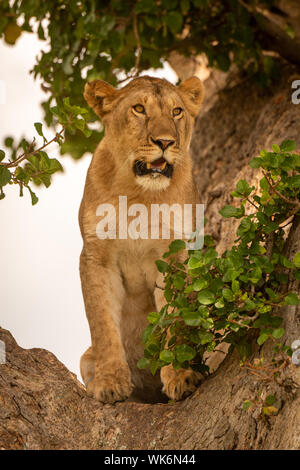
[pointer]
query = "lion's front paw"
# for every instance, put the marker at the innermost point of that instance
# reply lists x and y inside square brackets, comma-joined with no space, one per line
[179,383]
[109,387]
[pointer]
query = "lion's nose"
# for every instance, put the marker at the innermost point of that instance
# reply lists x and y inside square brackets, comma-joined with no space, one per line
[163,143]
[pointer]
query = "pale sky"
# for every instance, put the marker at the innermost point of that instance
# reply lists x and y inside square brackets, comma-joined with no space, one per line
[41,300]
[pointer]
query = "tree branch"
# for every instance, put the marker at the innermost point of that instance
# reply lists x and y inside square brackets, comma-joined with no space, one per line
[25,155]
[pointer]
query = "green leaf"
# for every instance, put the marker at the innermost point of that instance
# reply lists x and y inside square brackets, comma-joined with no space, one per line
[176,246]
[209,256]
[167,356]
[184,353]
[179,282]
[228,295]
[246,405]
[290,31]
[147,332]
[153,318]
[173,20]
[145,6]
[154,366]
[152,348]
[294,181]
[9,142]
[162,266]
[206,297]
[143,363]
[2,155]
[244,349]
[39,128]
[231,274]
[45,160]
[256,162]
[235,285]
[73,109]
[269,410]
[276,148]
[243,188]
[264,184]
[296,259]
[286,262]
[270,400]
[54,166]
[288,146]
[34,198]
[194,263]
[278,333]
[46,180]
[184,5]
[270,293]
[262,338]
[230,211]
[169,4]
[5,175]
[255,275]
[291,299]
[207,323]
[199,284]
[205,337]
[168,293]
[192,318]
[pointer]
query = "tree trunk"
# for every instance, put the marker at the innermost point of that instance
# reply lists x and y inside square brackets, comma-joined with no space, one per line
[43,406]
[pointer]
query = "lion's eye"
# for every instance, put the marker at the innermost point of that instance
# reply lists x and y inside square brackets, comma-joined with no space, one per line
[139,108]
[177,111]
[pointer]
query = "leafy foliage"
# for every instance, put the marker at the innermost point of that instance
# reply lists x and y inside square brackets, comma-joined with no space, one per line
[211,299]
[92,39]
[28,163]
[267,407]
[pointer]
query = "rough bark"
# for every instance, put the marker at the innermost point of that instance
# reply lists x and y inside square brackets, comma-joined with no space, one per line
[42,404]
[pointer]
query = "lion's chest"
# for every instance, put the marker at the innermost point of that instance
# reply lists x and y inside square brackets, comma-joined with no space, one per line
[137,265]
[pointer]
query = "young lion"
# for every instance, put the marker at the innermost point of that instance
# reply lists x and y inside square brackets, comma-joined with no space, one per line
[143,156]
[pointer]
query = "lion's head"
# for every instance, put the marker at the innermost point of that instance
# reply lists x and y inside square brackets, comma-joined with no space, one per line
[148,125]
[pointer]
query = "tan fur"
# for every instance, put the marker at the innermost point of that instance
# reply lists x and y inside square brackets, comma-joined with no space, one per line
[119,276]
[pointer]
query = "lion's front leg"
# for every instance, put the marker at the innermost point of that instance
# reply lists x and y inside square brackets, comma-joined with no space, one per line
[104,368]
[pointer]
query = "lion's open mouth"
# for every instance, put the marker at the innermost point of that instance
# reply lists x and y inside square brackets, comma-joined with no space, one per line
[157,167]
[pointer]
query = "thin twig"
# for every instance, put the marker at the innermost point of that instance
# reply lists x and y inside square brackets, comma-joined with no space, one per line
[138,44]
[25,155]
[247,317]
[287,200]
[251,202]
[158,287]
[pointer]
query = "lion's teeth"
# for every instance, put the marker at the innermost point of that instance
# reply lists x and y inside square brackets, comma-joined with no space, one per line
[163,165]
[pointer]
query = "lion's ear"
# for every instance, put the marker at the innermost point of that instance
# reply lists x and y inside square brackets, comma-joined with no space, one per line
[192,93]
[100,95]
